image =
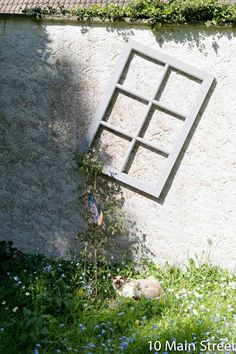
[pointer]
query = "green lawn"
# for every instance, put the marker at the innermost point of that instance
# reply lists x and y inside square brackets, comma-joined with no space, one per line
[49,307]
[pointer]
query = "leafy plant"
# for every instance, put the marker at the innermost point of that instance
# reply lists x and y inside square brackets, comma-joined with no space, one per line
[46,306]
[156,12]
[96,239]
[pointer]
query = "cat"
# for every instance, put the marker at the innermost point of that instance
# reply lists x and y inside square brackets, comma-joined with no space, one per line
[148,288]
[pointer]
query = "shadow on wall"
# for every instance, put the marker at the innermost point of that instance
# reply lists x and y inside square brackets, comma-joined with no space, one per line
[193,37]
[189,35]
[44,117]
[42,120]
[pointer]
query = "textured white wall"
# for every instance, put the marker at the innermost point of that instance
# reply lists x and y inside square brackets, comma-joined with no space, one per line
[52,76]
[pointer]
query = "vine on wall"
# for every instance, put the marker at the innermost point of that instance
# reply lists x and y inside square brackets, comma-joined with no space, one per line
[101,210]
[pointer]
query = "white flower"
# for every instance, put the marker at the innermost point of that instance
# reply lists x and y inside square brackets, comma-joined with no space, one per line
[15,309]
[48,268]
[195,312]
[4,303]
[27,293]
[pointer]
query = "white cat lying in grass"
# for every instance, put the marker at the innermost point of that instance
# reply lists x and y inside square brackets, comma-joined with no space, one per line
[148,288]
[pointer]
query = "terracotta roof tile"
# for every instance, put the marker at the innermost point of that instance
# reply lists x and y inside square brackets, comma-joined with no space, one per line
[16,6]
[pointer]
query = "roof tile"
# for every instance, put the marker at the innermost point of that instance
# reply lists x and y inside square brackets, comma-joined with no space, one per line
[16,6]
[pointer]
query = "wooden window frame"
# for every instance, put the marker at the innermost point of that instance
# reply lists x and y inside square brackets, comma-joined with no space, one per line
[113,85]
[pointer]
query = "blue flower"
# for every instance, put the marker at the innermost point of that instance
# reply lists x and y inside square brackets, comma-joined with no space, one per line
[124,344]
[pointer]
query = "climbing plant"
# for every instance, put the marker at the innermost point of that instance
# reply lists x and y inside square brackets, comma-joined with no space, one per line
[101,204]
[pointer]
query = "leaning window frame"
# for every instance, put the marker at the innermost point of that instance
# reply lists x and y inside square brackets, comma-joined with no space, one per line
[113,85]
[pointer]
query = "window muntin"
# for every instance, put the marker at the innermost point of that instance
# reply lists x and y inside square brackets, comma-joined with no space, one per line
[129,136]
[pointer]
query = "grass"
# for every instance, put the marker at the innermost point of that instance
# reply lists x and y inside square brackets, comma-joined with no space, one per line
[48,306]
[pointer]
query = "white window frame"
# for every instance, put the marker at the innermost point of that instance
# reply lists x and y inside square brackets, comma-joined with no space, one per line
[113,85]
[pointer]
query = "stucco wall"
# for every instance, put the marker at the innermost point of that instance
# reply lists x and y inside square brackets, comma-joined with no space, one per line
[52,76]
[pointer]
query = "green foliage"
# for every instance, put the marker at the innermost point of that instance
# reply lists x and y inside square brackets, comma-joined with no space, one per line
[96,240]
[157,12]
[48,306]
[104,12]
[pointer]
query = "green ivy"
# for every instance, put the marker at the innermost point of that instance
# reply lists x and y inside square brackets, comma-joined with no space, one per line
[156,12]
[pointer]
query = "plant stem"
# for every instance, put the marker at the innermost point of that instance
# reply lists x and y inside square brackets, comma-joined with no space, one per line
[96,272]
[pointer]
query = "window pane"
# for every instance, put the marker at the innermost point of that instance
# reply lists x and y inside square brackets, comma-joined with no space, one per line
[112,148]
[142,74]
[179,91]
[145,165]
[162,128]
[125,112]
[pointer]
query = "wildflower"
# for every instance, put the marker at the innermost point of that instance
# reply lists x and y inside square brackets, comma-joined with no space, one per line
[92,345]
[83,327]
[4,303]
[15,309]
[48,268]
[27,293]
[16,278]
[124,345]
[233,285]
[195,312]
